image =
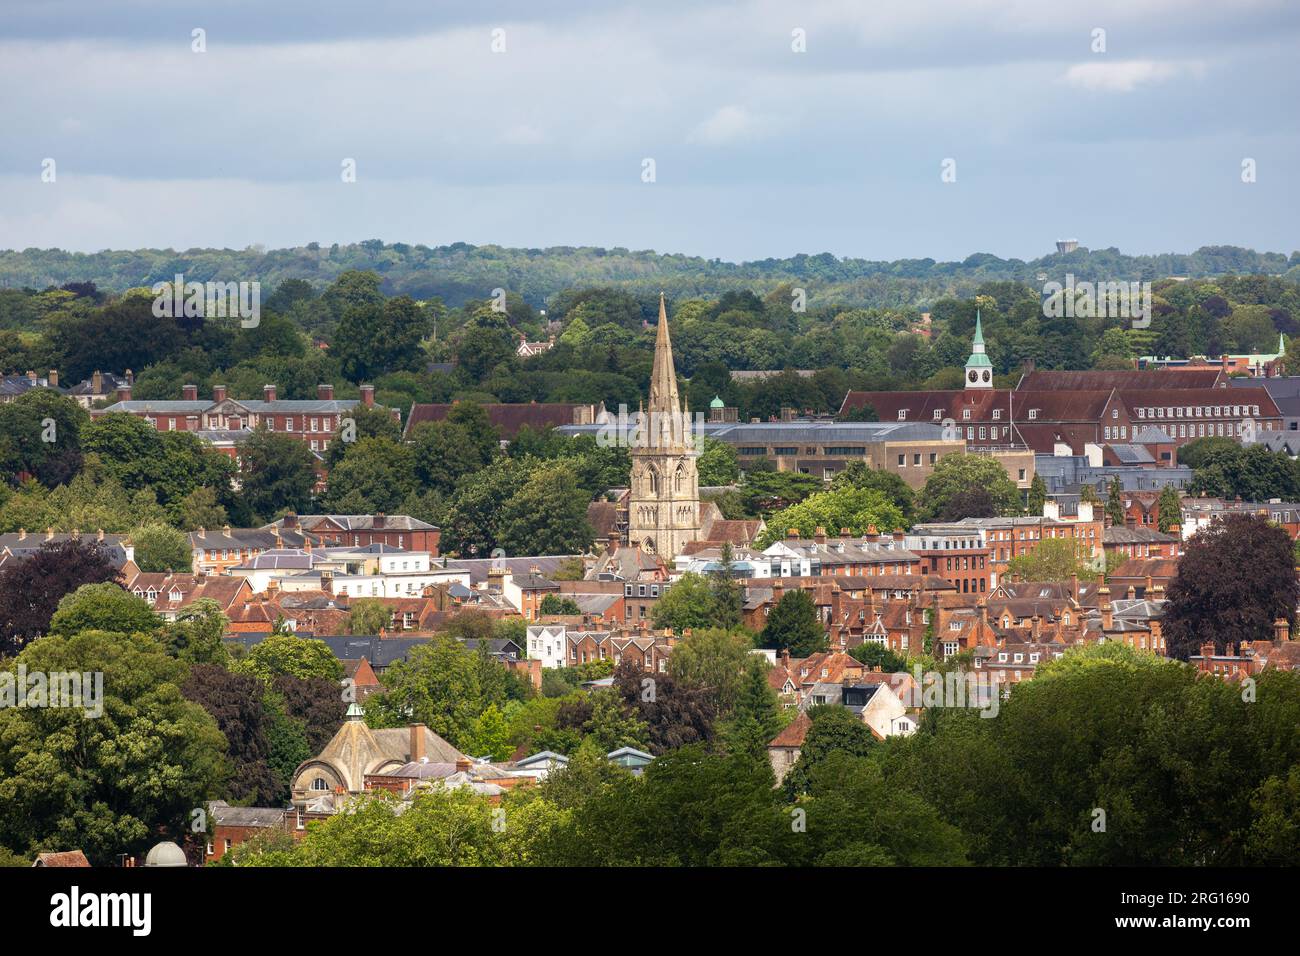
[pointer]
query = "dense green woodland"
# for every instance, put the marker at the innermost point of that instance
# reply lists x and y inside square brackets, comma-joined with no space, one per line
[119,475]
[461,272]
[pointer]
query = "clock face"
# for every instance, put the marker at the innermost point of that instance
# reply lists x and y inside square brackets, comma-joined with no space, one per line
[986,375]
[973,375]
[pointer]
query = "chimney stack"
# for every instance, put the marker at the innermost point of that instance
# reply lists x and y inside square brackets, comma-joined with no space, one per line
[218,393]
[268,393]
[190,393]
[54,378]
[1281,630]
[417,743]
[325,392]
[124,393]
[368,396]
[97,383]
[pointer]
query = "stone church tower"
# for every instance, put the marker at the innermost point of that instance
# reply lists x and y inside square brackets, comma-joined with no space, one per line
[664,501]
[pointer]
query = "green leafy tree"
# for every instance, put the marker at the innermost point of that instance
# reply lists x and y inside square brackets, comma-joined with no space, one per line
[967,483]
[369,616]
[195,635]
[728,598]
[375,475]
[688,603]
[106,785]
[103,607]
[288,655]
[717,464]
[557,604]
[1052,559]
[1115,503]
[1037,496]
[160,547]
[857,509]
[547,515]
[834,730]
[858,475]
[1169,509]
[439,685]
[756,717]
[713,660]
[278,474]
[793,625]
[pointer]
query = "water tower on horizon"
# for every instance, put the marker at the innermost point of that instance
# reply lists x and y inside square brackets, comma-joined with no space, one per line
[1067,245]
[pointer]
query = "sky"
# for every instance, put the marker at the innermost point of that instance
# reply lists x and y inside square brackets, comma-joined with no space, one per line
[924,128]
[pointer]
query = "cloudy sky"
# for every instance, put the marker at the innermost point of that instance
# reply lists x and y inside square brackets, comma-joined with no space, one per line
[758,150]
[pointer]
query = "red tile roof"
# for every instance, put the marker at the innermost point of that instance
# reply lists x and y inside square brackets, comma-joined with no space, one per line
[794,734]
[1052,380]
[507,419]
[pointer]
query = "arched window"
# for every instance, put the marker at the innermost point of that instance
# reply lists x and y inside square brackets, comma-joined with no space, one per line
[320,783]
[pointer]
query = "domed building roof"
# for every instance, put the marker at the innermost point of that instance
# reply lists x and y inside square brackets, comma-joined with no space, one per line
[166,853]
[717,403]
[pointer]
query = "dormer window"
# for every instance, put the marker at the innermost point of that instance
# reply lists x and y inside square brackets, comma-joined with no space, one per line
[902,414]
[1033,414]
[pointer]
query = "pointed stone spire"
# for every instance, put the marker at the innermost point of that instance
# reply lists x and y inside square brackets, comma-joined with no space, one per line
[663,379]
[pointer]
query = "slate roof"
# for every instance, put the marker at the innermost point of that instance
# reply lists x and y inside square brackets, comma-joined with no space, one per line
[478,568]
[358,522]
[1139,535]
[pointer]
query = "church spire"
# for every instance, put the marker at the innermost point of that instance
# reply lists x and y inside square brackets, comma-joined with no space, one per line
[663,379]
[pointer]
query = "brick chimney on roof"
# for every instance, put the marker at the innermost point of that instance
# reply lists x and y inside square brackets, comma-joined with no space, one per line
[417,742]
[325,392]
[218,393]
[124,393]
[368,396]
[190,393]
[54,378]
[268,393]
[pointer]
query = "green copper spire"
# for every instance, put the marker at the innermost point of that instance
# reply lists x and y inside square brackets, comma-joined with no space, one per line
[979,370]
